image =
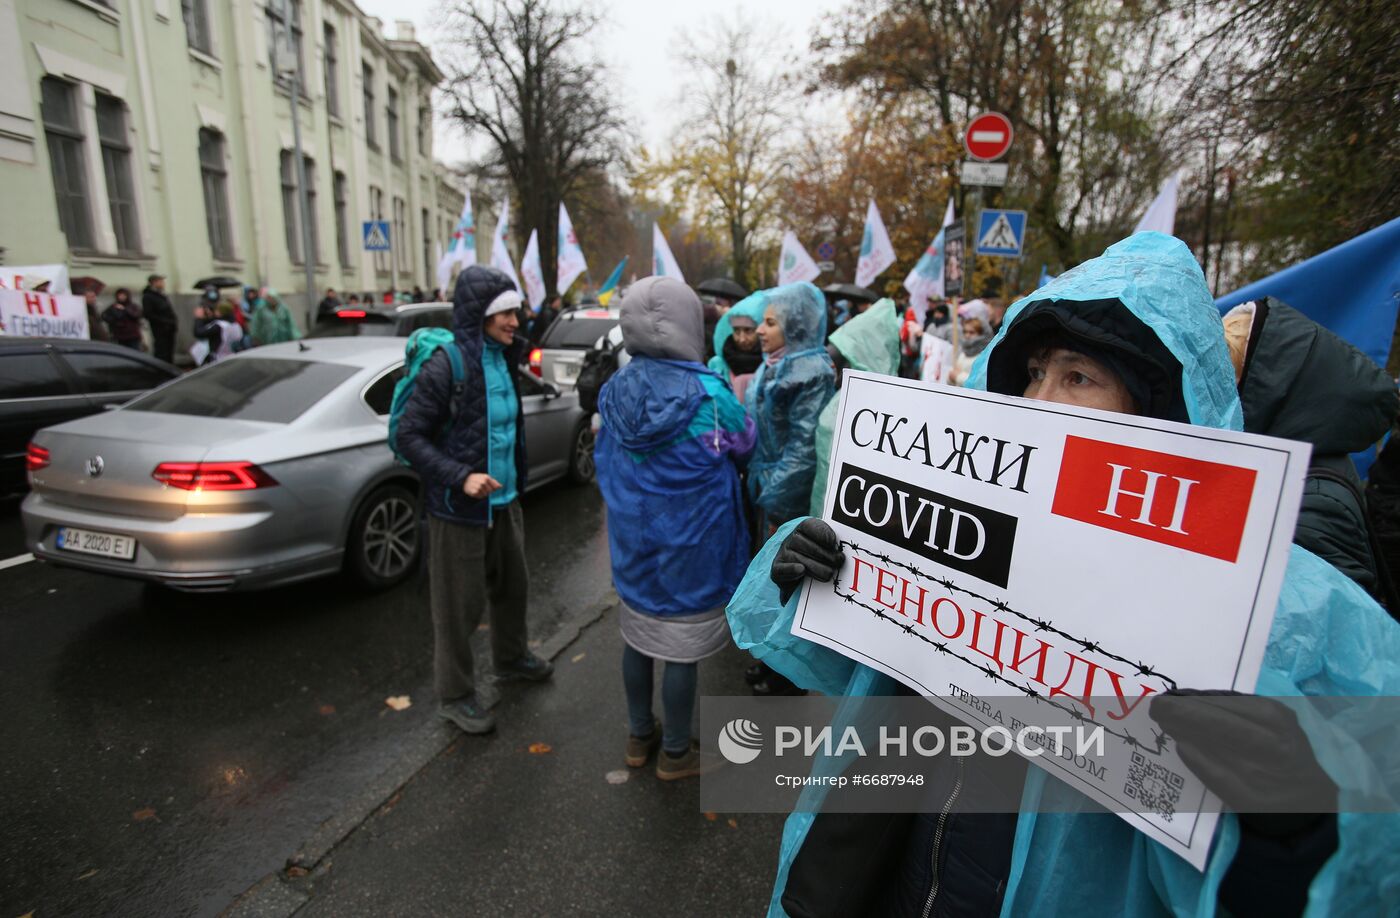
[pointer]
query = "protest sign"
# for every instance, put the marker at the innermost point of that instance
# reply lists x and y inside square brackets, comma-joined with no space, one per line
[12,276]
[1003,547]
[27,314]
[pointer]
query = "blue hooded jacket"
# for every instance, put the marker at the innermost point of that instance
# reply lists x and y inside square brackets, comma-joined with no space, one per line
[442,454]
[665,455]
[785,401]
[1328,638]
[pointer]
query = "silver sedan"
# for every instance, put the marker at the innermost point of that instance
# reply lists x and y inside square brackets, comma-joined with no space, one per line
[266,468]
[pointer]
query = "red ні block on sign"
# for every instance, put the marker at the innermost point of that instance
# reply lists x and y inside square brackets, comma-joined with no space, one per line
[1187,503]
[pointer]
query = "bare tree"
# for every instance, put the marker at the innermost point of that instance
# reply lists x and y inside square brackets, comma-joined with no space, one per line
[728,153]
[518,75]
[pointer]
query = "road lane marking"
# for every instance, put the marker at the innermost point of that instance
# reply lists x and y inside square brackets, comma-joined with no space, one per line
[16,561]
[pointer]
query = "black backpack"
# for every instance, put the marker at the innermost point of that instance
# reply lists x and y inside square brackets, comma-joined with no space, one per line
[599,364]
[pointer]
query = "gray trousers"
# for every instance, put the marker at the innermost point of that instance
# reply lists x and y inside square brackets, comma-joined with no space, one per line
[469,566]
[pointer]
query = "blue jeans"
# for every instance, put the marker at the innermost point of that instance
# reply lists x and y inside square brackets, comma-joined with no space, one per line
[677,698]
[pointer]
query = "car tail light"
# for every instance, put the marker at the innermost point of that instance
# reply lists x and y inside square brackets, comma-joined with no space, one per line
[35,458]
[350,314]
[537,362]
[213,476]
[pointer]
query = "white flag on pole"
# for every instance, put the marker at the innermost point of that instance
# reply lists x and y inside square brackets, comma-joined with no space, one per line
[462,249]
[500,255]
[570,261]
[1161,214]
[876,252]
[530,271]
[794,264]
[926,280]
[663,263]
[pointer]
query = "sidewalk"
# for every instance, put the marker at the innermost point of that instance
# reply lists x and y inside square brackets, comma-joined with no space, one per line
[488,827]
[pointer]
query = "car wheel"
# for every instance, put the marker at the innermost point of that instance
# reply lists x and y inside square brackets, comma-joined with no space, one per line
[582,470]
[384,538]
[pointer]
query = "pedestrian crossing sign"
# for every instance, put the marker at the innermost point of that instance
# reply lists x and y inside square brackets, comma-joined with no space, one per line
[376,233]
[1001,232]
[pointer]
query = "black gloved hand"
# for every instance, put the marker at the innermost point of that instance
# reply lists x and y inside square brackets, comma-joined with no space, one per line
[1251,752]
[811,550]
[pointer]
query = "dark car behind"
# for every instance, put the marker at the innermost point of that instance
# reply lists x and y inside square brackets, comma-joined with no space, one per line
[381,321]
[46,381]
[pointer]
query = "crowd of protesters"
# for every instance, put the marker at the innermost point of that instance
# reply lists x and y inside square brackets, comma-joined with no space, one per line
[222,324]
[713,443]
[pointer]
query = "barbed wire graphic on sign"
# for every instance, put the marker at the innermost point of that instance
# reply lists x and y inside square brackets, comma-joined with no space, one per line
[1141,668]
[1155,747]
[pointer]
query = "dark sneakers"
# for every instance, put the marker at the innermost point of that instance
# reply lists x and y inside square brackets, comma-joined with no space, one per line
[529,667]
[468,715]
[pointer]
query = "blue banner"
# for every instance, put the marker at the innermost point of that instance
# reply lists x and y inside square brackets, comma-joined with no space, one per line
[1352,289]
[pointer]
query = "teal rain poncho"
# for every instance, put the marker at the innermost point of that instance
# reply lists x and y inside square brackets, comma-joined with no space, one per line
[1328,638]
[869,342]
[785,400]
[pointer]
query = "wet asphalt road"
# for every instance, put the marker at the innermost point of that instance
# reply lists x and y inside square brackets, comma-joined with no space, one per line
[163,752]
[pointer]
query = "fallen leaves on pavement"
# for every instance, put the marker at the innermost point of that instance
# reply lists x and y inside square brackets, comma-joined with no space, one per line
[143,814]
[540,748]
[399,702]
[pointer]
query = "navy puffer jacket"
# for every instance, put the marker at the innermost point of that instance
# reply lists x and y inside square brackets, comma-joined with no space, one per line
[442,454]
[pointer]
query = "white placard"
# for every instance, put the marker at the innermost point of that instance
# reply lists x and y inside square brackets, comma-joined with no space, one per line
[25,314]
[1001,546]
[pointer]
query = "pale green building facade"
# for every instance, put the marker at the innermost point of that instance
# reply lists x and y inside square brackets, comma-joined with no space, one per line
[155,136]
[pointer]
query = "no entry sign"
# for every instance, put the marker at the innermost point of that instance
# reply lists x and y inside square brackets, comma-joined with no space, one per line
[988,136]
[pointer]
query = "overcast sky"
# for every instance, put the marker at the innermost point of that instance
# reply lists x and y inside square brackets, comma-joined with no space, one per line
[641,39]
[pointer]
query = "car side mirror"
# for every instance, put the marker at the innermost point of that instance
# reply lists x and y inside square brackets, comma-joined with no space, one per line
[551,391]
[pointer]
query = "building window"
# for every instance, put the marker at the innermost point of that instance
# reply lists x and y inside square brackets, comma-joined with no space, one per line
[369,108]
[342,231]
[425,125]
[391,122]
[116,165]
[213,174]
[289,205]
[332,72]
[284,31]
[59,109]
[311,220]
[198,33]
[427,246]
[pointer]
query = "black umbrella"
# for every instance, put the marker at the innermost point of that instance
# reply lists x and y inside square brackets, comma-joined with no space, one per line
[218,280]
[851,292]
[722,286]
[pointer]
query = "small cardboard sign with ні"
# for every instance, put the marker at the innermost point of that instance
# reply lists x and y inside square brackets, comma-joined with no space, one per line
[26,314]
[1000,546]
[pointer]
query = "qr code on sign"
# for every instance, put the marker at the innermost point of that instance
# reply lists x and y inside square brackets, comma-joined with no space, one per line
[1153,785]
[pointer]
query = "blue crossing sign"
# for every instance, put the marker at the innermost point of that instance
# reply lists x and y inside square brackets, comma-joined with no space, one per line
[376,234]
[1001,232]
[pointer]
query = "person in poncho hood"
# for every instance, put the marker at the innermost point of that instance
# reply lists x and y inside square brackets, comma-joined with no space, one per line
[737,354]
[785,398]
[1134,331]
[666,454]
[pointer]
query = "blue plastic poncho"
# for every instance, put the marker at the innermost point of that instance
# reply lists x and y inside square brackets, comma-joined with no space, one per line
[1328,638]
[785,401]
[670,433]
